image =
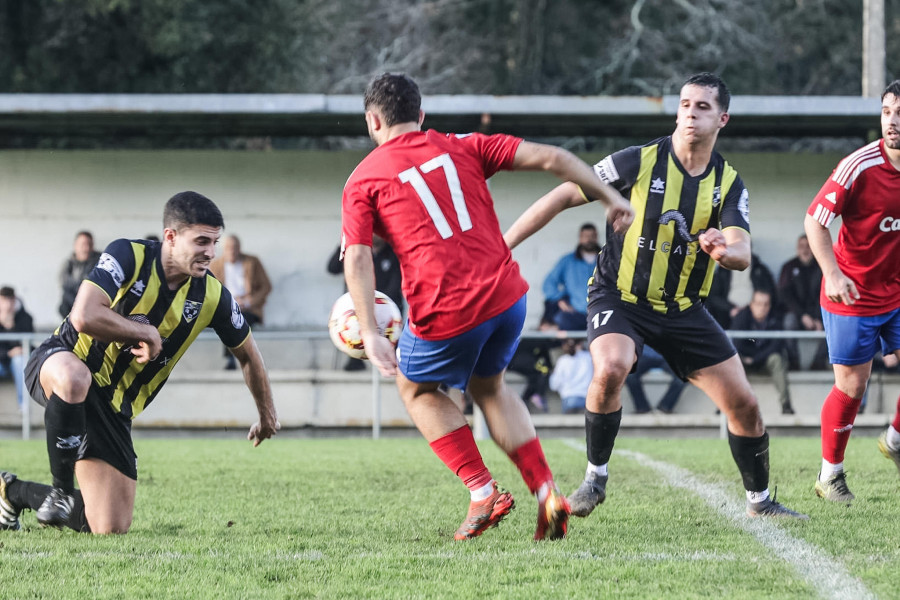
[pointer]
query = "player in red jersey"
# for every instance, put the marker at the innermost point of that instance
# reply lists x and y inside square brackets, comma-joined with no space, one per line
[426,194]
[860,294]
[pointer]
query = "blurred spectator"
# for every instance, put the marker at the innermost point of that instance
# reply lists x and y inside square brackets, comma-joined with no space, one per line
[75,269]
[13,318]
[572,376]
[151,237]
[731,291]
[388,280]
[798,289]
[766,355]
[532,360]
[650,359]
[565,287]
[244,276]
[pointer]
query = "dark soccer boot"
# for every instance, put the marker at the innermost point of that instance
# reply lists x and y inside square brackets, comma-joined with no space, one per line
[9,514]
[56,509]
[770,507]
[589,494]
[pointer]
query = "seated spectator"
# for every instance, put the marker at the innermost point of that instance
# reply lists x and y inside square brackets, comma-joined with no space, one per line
[766,355]
[244,276]
[532,360]
[13,318]
[565,287]
[572,376]
[388,280]
[798,289]
[731,291]
[650,359]
[83,259]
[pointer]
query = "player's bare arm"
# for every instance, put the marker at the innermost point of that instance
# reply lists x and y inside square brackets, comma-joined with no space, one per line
[91,314]
[568,167]
[359,271]
[542,212]
[257,380]
[730,248]
[838,287]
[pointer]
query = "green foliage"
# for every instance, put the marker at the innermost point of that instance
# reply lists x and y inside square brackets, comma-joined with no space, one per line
[356,518]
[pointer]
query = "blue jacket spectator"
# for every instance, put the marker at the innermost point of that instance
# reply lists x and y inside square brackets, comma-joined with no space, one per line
[565,287]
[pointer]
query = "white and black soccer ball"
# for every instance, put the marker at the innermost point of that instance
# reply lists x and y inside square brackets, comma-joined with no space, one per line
[343,324]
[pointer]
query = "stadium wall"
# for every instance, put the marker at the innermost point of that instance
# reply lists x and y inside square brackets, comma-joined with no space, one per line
[285,206]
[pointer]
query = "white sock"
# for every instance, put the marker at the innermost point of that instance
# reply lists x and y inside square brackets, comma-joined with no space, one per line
[757,497]
[543,491]
[830,470]
[892,438]
[593,469]
[482,492]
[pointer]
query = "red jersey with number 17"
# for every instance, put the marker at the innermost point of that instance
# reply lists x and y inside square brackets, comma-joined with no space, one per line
[426,194]
[865,191]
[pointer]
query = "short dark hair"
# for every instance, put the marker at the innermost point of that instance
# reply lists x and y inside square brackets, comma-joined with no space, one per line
[7,292]
[190,208]
[588,227]
[892,88]
[396,96]
[85,233]
[712,80]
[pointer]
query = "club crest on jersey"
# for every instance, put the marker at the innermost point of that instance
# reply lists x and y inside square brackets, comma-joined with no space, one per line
[191,310]
[237,317]
[717,196]
[109,264]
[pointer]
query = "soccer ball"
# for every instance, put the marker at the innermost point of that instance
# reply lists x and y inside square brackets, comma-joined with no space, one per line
[343,325]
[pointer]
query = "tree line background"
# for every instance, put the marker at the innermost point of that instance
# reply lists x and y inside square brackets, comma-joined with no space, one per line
[613,47]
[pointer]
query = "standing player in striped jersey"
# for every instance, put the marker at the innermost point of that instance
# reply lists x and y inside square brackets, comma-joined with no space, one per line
[691,212]
[860,292]
[132,320]
[426,194]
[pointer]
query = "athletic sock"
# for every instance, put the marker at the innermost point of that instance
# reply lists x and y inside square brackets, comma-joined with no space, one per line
[838,414]
[29,494]
[65,424]
[529,459]
[896,423]
[757,497]
[600,433]
[752,457]
[829,470]
[893,437]
[592,469]
[459,452]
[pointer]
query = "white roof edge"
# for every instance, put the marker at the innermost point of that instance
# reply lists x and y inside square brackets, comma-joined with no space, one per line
[438,104]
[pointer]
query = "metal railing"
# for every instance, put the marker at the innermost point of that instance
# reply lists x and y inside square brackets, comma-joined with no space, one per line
[31,340]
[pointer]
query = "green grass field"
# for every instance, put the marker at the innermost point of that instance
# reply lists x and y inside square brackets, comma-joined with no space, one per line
[351,518]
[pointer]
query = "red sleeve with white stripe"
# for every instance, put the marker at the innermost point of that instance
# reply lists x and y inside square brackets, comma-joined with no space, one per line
[829,202]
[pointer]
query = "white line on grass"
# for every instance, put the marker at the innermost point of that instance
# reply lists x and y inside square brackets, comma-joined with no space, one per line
[828,576]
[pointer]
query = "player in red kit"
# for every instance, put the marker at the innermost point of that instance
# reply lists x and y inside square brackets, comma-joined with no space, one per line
[426,194]
[860,294]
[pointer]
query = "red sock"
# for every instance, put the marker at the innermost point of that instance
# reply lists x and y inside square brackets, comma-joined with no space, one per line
[896,422]
[838,414]
[458,451]
[529,458]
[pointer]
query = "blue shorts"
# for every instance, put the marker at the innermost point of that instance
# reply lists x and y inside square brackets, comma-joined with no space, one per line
[484,350]
[854,340]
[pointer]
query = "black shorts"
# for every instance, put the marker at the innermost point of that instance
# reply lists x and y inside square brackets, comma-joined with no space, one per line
[689,340]
[108,435]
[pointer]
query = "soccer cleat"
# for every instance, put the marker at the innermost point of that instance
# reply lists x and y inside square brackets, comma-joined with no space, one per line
[589,494]
[770,507]
[894,455]
[9,514]
[553,516]
[484,514]
[834,489]
[56,509]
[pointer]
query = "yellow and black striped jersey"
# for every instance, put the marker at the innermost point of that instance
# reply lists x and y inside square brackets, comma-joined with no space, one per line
[658,262]
[130,273]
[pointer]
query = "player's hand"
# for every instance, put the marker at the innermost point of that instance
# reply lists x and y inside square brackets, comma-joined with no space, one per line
[381,352]
[620,214]
[839,288]
[149,348]
[712,241]
[263,429]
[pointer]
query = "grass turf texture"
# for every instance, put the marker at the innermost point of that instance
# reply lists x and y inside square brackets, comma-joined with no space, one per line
[350,518]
